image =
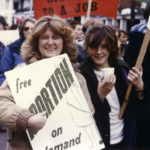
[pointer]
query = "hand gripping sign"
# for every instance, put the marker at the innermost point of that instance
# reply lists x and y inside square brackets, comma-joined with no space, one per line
[51,85]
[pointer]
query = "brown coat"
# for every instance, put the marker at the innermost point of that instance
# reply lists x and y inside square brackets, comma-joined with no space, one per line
[15,117]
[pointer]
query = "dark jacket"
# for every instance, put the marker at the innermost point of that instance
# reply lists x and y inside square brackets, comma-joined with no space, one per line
[132,50]
[10,58]
[81,54]
[102,109]
[2,47]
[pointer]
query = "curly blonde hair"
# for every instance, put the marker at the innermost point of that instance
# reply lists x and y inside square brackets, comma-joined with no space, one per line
[58,25]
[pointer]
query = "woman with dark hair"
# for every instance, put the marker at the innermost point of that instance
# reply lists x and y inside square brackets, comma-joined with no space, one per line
[3,23]
[11,55]
[107,80]
[25,27]
[122,42]
[50,37]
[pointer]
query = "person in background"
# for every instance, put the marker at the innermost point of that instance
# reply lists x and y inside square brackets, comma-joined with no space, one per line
[91,22]
[11,55]
[2,47]
[3,25]
[51,36]
[107,88]
[13,27]
[122,42]
[135,39]
[79,37]
[77,29]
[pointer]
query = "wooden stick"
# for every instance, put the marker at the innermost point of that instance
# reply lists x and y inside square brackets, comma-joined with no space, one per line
[89,9]
[138,64]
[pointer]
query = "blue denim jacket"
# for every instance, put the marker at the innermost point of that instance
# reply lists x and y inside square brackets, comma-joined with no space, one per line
[10,58]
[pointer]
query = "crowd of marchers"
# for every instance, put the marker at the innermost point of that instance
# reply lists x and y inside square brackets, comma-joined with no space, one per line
[103,58]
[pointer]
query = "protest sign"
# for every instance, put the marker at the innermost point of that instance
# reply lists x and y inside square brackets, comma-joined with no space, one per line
[8,36]
[51,85]
[74,8]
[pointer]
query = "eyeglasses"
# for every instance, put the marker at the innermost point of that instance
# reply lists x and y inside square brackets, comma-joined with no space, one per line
[26,28]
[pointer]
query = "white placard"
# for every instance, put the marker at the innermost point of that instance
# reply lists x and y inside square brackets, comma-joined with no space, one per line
[148,24]
[8,36]
[51,85]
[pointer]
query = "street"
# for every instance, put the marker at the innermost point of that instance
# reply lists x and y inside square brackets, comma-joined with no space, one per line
[3,136]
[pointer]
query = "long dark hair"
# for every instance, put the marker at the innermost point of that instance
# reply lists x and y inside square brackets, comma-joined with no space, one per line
[96,34]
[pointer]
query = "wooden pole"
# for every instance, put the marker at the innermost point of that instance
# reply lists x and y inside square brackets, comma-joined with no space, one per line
[89,8]
[138,64]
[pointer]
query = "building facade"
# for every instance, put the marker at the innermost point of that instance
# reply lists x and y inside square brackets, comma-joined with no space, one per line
[16,10]
[13,10]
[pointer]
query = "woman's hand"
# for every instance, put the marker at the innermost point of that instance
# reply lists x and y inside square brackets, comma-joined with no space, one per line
[105,86]
[37,121]
[135,77]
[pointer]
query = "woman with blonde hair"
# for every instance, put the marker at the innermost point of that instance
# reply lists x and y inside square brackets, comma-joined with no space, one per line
[50,37]
[60,28]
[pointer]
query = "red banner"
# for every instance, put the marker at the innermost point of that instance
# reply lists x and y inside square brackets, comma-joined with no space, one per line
[75,8]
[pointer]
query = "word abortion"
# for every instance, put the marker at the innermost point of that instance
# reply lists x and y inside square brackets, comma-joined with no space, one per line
[52,92]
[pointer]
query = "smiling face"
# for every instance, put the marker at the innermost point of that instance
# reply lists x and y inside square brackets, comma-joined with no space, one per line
[101,45]
[99,55]
[50,44]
